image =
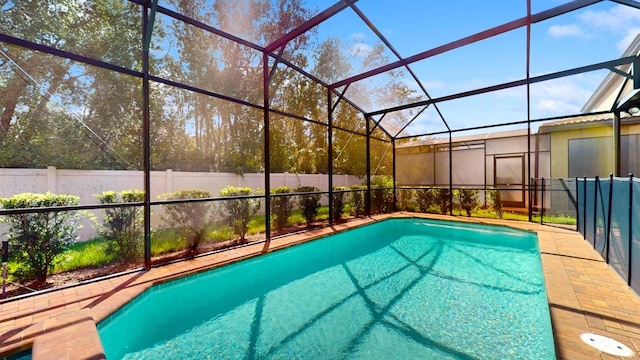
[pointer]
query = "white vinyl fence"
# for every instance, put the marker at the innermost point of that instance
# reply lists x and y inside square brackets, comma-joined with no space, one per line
[87,183]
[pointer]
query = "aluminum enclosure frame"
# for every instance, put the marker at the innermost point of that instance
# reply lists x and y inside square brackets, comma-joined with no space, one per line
[272,55]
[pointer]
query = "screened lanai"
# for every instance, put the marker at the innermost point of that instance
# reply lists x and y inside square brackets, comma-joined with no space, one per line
[172,129]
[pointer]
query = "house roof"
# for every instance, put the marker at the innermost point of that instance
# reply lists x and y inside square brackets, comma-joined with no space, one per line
[585,121]
[467,138]
[601,98]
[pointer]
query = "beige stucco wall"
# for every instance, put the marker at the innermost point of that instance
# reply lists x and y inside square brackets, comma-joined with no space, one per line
[560,146]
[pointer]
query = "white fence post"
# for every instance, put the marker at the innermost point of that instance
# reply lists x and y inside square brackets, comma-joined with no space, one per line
[169,181]
[51,179]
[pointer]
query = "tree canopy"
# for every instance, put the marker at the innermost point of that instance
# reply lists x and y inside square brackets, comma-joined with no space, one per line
[58,112]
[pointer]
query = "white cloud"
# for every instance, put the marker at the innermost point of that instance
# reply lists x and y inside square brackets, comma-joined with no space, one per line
[360,49]
[620,20]
[623,44]
[358,37]
[566,30]
[558,97]
[617,19]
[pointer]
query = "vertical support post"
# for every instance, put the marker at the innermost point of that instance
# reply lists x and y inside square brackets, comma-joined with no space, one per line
[535,191]
[595,210]
[542,201]
[450,175]
[330,152]
[367,197]
[5,260]
[584,209]
[528,65]
[616,143]
[393,160]
[630,229]
[608,224]
[146,123]
[577,207]
[267,157]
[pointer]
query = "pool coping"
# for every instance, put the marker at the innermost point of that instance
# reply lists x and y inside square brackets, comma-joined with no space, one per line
[585,296]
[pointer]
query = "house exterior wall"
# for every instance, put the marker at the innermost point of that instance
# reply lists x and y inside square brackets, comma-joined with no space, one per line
[560,148]
[560,156]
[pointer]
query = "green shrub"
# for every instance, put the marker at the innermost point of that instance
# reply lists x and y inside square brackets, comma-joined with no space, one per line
[123,227]
[405,198]
[240,211]
[192,218]
[495,197]
[426,198]
[444,200]
[281,207]
[358,200]
[338,202]
[468,199]
[37,239]
[309,203]
[382,194]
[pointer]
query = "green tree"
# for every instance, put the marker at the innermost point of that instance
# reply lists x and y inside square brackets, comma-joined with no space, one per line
[191,218]
[495,197]
[64,111]
[123,227]
[240,211]
[443,196]
[358,194]
[37,239]
[339,197]
[309,203]
[281,207]
[468,199]
[382,194]
[426,198]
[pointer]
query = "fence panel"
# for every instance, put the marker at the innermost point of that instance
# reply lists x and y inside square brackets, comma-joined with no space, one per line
[619,233]
[635,236]
[602,207]
[589,211]
[609,214]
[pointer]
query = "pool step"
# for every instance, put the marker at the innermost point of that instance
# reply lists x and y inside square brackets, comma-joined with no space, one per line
[73,339]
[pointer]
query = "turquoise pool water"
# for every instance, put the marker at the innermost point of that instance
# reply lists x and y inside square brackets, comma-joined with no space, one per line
[398,289]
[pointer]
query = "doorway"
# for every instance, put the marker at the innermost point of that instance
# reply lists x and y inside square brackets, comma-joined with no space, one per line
[509,177]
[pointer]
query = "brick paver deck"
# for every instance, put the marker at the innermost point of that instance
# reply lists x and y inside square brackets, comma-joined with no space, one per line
[585,295]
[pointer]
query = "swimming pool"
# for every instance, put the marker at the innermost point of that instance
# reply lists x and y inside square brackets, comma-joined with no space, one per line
[398,289]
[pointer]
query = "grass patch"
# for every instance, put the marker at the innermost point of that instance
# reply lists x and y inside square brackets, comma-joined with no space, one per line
[490,214]
[82,255]
[164,241]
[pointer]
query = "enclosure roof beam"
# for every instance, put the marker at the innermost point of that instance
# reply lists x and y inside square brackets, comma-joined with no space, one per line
[631,3]
[396,53]
[507,85]
[500,29]
[309,24]
[414,118]
[522,122]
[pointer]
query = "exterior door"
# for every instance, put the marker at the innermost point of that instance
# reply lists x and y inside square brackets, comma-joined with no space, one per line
[509,177]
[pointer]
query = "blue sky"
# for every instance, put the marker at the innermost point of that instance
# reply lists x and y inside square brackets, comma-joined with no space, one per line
[600,32]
